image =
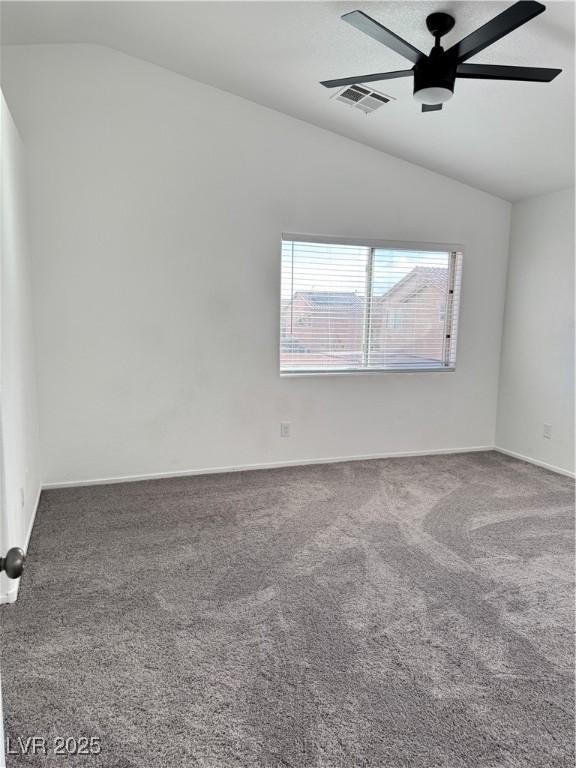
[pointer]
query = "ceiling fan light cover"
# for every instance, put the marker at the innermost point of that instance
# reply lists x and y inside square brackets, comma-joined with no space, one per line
[433,94]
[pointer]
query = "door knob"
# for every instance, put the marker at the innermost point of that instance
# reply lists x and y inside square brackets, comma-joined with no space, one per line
[13,563]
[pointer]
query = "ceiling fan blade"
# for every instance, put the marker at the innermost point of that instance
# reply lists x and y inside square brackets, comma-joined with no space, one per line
[365,78]
[366,24]
[431,107]
[498,72]
[493,30]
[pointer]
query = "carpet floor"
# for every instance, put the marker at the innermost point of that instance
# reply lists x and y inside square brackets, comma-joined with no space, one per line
[413,612]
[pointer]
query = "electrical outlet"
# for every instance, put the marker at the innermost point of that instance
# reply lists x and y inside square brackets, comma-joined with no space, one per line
[548,431]
[285,429]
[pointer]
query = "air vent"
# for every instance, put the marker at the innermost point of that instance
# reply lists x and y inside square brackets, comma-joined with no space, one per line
[353,94]
[361,98]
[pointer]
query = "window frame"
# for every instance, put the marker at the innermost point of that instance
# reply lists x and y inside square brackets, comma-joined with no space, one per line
[456,251]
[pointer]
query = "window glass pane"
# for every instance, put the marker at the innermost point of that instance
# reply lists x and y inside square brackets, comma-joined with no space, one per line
[323,306]
[408,308]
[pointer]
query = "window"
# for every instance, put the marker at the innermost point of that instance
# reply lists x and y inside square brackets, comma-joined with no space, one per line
[368,306]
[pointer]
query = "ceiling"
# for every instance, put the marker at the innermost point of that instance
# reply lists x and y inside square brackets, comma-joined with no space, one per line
[512,139]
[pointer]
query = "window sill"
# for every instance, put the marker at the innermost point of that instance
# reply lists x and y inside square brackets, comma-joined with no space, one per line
[364,371]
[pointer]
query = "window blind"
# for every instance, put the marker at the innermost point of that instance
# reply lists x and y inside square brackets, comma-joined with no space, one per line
[368,307]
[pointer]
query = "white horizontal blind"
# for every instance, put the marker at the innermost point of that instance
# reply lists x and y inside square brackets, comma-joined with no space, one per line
[347,307]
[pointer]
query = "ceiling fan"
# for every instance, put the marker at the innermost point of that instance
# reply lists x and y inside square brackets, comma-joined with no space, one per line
[435,74]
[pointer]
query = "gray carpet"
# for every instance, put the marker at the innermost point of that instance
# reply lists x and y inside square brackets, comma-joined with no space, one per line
[383,614]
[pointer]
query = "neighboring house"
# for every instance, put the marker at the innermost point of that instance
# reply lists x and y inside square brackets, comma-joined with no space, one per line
[409,319]
[323,324]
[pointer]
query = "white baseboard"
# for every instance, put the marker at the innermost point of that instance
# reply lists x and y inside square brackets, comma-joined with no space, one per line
[10,595]
[536,462]
[266,465]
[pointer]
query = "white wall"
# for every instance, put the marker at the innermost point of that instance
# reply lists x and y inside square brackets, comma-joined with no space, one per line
[537,370]
[19,454]
[157,205]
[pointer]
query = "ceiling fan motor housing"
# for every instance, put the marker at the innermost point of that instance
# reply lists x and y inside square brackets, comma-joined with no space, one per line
[434,77]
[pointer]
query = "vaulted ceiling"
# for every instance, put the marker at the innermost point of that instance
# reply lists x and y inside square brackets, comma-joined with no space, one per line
[512,139]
